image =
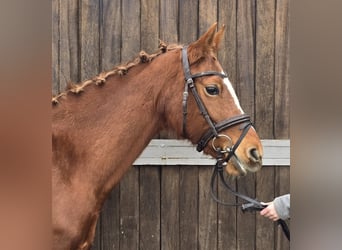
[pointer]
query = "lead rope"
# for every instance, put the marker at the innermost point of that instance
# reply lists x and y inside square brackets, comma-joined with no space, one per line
[252,205]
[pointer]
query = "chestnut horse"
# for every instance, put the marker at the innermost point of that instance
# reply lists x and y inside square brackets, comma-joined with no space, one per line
[100,127]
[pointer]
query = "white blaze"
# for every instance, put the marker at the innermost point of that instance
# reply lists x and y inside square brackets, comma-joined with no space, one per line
[232,92]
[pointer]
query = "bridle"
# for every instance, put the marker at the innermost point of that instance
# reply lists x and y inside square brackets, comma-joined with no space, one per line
[214,128]
[214,132]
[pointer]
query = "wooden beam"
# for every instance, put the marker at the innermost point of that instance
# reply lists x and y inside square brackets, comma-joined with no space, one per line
[181,152]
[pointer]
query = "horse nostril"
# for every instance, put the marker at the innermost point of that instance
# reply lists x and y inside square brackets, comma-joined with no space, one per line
[253,154]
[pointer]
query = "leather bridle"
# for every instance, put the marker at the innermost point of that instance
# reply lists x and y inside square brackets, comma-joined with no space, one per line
[213,133]
[214,128]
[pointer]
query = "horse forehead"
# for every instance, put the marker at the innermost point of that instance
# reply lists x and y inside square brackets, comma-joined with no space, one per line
[232,92]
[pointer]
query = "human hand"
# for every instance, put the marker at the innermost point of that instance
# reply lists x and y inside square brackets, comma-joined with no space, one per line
[269,211]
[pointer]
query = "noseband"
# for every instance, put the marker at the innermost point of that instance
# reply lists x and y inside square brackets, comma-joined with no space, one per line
[213,133]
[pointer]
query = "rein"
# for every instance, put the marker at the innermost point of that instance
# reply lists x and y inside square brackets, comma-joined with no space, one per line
[213,133]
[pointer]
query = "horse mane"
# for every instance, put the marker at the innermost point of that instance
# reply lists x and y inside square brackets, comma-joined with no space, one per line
[100,79]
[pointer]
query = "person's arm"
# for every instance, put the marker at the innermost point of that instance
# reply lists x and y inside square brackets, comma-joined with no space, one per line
[279,208]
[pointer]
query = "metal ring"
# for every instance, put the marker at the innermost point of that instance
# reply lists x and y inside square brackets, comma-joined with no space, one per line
[218,148]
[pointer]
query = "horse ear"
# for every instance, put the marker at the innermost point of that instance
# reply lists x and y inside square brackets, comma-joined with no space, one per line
[203,45]
[218,38]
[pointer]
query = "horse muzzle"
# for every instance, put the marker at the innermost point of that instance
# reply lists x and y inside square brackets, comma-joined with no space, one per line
[238,159]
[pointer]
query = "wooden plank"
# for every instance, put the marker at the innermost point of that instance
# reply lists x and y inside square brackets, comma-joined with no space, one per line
[55,52]
[282,92]
[246,230]
[264,68]
[149,196]
[69,43]
[189,181]
[207,222]
[89,39]
[181,152]
[227,53]
[282,186]
[281,95]
[207,14]
[245,91]
[129,186]
[129,210]
[189,32]
[110,37]
[168,20]
[188,207]
[110,221]
[110,34]
[226,216]
[170,208]
[168,33]
[245,55]
[89,57]
[130,34]
[170,176]
[264,101]
[265,192]
[149,25]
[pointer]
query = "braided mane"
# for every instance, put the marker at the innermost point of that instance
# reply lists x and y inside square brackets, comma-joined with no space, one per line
[122,69]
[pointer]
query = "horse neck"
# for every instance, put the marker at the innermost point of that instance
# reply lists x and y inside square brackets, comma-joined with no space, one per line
[110,127]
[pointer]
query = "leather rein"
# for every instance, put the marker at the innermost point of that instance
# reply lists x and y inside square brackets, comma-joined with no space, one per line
[213,133]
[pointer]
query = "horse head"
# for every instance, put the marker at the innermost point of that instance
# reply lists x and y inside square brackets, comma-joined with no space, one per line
[212,116]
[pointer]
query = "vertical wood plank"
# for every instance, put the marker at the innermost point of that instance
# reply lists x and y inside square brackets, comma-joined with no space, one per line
[245,90]
[226,218]
[264,101]
[69,43]
[149,224]
[129,186]
[170,175]
[188,207]
[150,179]
[110,34]
[130,33]
[245,235]
[188,21]
[129,210]
[149,25]
[169,21]
[110,221]
[110,38]
[265,192]
[207,231]
[227,55]
[55,51]
[245,55]
[207,14]
[264,68]
[282,186]
[89,38]
[282,110]
[282,92]
[170,208]
[207,222]
[189,182]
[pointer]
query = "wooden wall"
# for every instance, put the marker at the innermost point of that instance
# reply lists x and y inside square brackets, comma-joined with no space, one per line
[169,207]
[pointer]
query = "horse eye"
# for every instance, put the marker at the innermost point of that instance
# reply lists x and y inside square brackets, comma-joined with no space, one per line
[212,90]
